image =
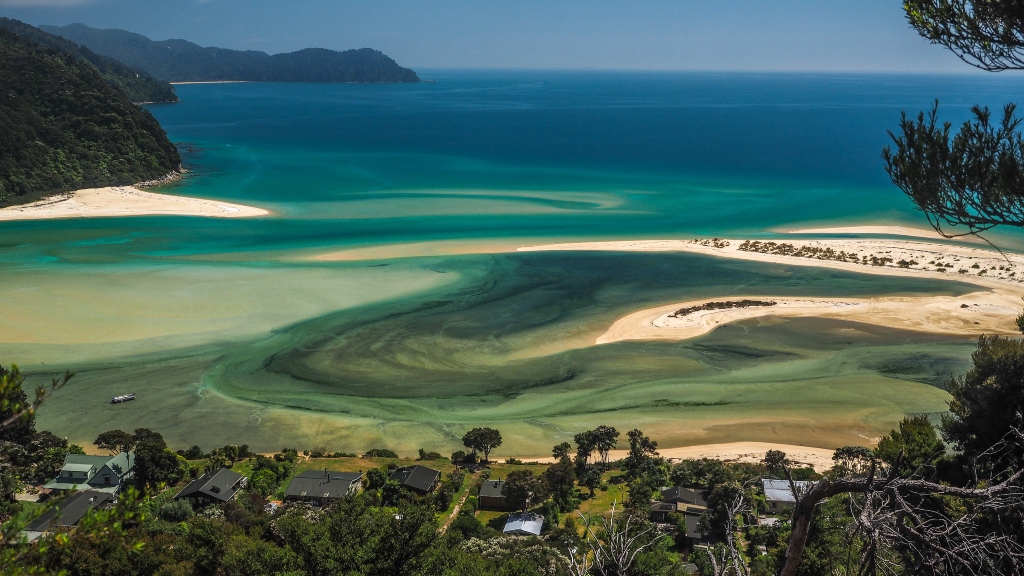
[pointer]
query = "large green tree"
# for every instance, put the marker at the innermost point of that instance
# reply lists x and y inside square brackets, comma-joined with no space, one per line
[482,440]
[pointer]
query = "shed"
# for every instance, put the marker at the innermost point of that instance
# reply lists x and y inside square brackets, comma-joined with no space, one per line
[779,493]
[319,487]
[213,488]
[524,524]
[418,479]
[490,497]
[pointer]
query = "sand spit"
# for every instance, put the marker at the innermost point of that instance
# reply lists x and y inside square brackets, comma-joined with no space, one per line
[819,458]
[989,311]
[124,201]
[981,266]
[974,314]
[875,230]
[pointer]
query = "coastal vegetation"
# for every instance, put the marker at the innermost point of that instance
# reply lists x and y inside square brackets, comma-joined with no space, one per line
[182,61]
[138,85]
[63,127]
[727,305]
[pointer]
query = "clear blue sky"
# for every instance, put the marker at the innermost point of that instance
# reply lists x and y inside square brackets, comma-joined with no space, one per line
[769,35]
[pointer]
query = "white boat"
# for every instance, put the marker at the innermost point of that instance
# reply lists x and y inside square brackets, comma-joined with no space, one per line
[122,398]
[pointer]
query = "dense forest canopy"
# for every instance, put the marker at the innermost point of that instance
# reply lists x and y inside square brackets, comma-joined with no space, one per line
[182,61]
[63,127]
[137,84]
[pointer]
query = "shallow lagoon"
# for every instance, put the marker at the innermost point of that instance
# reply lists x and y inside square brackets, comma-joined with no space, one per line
[231,331]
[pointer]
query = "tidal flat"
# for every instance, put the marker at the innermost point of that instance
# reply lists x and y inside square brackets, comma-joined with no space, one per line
[510,343]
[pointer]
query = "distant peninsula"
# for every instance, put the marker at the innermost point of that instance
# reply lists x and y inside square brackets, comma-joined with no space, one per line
[139,86]
[65,125]
[183,61]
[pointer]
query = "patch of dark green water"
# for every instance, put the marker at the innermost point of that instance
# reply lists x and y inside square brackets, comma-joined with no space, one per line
[525,323]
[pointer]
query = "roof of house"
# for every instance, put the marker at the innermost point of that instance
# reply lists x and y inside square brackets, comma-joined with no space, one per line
[491,489]
[321,484]
[680,494]
[121,464]
[780,490]
[69,511]
[692,521]
[663,507]
[524,523]
[418,477]
[220,485]
[77,460]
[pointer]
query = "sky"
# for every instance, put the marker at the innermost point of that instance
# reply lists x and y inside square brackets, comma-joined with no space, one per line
[727,35]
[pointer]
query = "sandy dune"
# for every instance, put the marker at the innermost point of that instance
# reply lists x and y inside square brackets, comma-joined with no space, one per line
[819,458]
[124,201]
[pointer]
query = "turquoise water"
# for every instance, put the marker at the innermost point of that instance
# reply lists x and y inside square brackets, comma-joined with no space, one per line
[422,346]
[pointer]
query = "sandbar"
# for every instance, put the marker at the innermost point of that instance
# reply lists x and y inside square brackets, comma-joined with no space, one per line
[747,452]
[992,310]
[125,201]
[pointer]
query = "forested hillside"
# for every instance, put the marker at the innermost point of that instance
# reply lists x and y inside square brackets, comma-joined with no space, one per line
[63,127]
[138,85]
[182,61]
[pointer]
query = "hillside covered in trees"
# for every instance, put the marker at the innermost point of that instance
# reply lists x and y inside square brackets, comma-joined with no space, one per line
[138,85]
[183,61]
[63,127]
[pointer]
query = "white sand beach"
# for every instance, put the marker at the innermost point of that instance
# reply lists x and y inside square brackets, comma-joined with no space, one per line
[747,452]
[991,310]
[125,201]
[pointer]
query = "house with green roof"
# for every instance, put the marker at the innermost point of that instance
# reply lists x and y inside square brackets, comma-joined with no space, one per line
[107,474]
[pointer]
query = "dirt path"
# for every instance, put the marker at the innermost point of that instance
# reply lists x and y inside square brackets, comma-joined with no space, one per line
[455,511]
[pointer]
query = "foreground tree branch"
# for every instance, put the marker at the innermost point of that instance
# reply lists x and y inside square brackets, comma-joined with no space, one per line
[987,34]
[972,179]
[892,514]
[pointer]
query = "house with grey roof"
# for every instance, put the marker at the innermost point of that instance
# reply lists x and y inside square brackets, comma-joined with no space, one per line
[779,494]
[491,498]
[524,524]
[686,497]
[693,535]
[212,488]
[659,511]
[99,473]
[418,479]
[68,512]
[321,487]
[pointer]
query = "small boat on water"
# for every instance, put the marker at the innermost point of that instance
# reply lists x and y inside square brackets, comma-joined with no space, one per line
[122,398]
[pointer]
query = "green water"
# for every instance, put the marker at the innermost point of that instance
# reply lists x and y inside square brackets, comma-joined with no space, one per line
[231,331]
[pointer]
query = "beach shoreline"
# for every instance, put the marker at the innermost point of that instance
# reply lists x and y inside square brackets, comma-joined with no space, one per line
[746,452]
[116,201]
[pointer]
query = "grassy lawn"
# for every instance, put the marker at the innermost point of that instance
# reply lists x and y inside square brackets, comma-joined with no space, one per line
[602,501]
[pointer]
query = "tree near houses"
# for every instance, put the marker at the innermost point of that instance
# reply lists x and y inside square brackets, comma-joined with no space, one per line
[522,488]
[642,452]
[115,441]
[482,440]
[560,451]
[605,440]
